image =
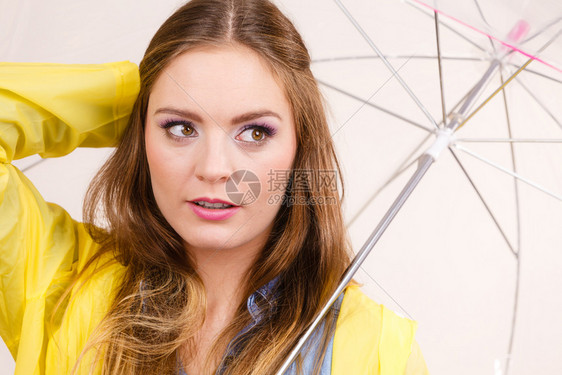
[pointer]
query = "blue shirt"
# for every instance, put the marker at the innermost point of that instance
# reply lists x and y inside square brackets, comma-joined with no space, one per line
[310,349]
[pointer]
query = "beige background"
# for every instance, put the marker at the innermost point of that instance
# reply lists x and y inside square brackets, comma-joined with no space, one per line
[443,261]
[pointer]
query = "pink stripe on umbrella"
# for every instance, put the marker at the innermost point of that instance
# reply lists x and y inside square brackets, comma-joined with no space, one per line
[521,28]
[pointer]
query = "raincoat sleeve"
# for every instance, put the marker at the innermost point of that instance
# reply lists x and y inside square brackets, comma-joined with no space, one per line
[373,340]
[48,109]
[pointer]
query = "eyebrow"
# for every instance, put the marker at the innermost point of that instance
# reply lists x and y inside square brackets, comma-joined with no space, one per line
[245,117]
[179,112]
[254,115]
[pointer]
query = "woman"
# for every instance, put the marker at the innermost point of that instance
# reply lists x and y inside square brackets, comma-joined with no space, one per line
[186,276]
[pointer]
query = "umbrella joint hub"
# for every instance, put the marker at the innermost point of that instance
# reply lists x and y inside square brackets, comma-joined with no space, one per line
[445,136]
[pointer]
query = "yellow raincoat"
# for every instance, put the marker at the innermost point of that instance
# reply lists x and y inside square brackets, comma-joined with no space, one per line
[50,109]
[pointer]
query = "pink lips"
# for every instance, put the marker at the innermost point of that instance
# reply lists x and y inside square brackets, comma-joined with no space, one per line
[212,213]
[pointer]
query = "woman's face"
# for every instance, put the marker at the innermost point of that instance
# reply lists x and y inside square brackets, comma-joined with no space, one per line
[214,111]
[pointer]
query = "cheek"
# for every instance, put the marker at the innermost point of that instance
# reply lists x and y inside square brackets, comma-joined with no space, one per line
[274,179]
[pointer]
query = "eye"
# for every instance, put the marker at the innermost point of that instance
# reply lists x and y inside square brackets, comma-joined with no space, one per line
[180,129]
[184,129]
[255,133]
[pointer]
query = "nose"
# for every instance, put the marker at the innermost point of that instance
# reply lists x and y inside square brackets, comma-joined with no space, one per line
[214,164]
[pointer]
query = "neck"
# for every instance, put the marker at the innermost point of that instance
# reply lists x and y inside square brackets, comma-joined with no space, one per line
[224,274]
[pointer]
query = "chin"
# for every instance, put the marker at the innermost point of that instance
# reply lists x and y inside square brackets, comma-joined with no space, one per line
[211,241]
[209,246]
[225,239]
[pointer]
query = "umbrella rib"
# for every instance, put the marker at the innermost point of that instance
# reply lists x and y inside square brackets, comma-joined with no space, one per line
[507,171]
[441,90]
[457,105]
[485,21]
[404,166]
[364,103]
[540,74]
[486,206]
[448,27]
[33,165]
[388,294]
[546,27]
[513,164]
[495,93]
[548,43]
[413,57]
[368,103]
[386,62]
[540,103]
[515,309]
[518,223]
[480,12]
[508,140]
[513,252]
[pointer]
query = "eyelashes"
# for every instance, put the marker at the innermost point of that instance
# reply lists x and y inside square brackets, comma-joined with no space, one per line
[166,124]
[254,134]
[178,129]
[265,131]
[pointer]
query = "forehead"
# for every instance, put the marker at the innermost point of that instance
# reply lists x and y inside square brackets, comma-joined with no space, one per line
[219,78]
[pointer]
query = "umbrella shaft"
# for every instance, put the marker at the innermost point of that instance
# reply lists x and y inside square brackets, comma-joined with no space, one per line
[474,93]
[424,163]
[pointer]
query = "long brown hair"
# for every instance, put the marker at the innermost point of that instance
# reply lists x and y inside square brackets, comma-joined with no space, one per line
[160,304]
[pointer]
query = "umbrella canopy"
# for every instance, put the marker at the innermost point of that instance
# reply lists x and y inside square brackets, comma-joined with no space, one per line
[474,255]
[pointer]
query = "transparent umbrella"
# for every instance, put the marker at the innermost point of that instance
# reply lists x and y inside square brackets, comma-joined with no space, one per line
[474,254]
[476,87]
